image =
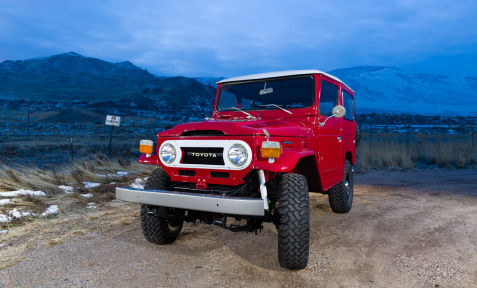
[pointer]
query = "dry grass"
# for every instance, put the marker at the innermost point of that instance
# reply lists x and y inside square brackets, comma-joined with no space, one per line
[397,151]
[100,170]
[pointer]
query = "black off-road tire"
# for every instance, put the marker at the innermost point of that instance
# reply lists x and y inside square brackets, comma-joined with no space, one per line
[341,195]
[156,228]
[294,224]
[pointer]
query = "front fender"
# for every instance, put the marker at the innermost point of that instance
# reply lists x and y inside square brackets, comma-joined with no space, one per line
[285,163]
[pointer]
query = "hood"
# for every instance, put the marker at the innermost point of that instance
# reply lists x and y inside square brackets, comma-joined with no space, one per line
[287,127]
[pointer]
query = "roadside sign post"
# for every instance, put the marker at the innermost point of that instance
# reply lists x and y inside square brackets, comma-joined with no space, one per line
[112,120]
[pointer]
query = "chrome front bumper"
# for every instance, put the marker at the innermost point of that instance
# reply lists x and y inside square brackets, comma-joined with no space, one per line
[193,201]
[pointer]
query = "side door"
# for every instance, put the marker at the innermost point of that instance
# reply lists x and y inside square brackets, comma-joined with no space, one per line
[348,121]
[330,135]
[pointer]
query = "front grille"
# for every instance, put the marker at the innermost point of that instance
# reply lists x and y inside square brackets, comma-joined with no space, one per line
[201,155]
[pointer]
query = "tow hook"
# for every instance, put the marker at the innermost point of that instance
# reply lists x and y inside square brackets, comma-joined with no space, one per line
[201,185]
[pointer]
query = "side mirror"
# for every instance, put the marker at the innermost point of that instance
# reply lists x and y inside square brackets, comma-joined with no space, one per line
[337,112]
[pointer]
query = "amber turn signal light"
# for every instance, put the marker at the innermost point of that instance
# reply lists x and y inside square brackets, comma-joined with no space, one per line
[145,146]
[271,149]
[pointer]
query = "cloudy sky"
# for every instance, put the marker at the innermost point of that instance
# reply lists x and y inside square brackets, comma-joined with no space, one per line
[227,38]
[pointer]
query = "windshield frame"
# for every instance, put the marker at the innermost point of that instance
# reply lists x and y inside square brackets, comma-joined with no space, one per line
[313,103]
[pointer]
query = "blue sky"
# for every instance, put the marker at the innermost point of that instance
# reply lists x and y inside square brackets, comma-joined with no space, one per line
[227,38]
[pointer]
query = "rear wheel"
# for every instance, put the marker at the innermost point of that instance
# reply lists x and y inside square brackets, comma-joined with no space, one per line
[294,223]
[341,195]
[160,225]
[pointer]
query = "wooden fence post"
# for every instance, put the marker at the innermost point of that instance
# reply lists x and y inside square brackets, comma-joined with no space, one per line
[72,150]
[473,137]
[370,137]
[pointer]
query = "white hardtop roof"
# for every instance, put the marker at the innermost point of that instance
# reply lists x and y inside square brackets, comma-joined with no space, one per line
[280,74]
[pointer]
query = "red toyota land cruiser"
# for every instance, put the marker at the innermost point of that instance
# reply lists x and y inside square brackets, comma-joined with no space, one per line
[272,138]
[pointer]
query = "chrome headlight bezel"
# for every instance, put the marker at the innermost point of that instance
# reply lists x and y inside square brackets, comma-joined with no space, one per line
[237,155]
[168,153]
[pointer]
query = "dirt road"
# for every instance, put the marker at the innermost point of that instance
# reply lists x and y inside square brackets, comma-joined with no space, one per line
[406,229]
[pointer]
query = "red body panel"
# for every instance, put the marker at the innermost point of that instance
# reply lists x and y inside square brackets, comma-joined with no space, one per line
[300,134]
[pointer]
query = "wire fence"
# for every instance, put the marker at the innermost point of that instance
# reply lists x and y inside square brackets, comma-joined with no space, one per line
[419,133]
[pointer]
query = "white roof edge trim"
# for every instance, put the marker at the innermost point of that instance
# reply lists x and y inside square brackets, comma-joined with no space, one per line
[280,74]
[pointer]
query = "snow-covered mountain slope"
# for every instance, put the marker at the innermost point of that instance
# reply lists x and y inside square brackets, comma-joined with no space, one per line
[390,89]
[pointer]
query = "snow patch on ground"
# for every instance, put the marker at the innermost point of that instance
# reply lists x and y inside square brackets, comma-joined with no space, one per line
[66,189]
[138,183]
[91,205]
[5,201]
[109,175]
[91,184]
[106,175]
[22,192]
[14,214]
[2,244]
[89,195]
[18,214]
[3,231]
[52,210]
[4,218]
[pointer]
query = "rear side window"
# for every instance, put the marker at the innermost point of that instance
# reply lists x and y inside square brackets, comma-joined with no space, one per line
[348,104]
[328,98]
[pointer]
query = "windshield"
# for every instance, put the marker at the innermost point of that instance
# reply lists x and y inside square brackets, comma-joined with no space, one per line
[288,93]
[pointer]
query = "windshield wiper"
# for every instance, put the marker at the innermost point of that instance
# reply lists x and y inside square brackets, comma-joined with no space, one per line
[249,116]
[277,106]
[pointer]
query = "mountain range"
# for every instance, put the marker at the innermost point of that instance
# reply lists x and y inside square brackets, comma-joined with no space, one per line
[73,79]
[390,89]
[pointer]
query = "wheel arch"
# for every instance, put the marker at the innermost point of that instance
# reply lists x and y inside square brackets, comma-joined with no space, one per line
[350,156]
[308,168]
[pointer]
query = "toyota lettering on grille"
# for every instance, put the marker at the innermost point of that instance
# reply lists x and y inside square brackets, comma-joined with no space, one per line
[202,154]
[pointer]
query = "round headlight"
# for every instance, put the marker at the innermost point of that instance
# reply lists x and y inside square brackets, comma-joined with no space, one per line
[238,155]
[168,153]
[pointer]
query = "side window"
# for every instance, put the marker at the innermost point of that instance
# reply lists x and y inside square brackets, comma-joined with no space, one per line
[348,104]
[328,98]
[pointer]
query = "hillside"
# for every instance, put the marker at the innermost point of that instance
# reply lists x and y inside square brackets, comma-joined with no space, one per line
[389,89]
[69,83]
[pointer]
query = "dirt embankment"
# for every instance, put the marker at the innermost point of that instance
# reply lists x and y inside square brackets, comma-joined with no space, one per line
[406,229]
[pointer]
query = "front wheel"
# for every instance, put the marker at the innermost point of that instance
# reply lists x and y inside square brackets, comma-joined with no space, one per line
[160,225]
[157,227]
[294,225]
[341,195]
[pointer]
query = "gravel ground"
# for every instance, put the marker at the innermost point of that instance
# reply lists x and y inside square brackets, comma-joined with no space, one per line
[406,229]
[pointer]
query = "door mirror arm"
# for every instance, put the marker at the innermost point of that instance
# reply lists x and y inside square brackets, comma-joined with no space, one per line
[338,112]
